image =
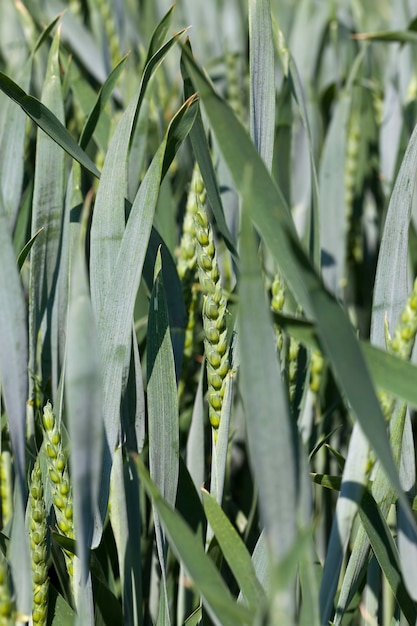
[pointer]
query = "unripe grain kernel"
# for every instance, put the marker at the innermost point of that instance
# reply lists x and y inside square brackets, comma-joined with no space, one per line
[60,462]
[406,315]
[214,358]
[6,608]
[406,333]
[217,297]
[221,322]
[69,512]
[213,335]
[48,418]
[39,576]
[40,595]
[38,615]
[188,250]
[64,488]
[37,538]
[222,348]
[315,383]
[293,350]
[202,236]
[50,451]
[210,308]
[206,262]
[214,274]
[36,491]
[223,368]
[207,285]
[39,555]
[63,526]
[199,187]
[215,400]
[54,476]
[210,249]
[58,501]
[37,515]
[202,220]
[214,419]
[215,380]
[396,344]
[292,373]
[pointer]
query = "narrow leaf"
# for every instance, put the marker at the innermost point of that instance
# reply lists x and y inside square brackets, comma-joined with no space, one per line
[262,79]
[391,284]
[199,566]
[102,98]
[84,418]
[48,122]
[25,251]
[268,423]
[235,552]
[202,154]
[162,397]
[14,349]
[47,214]
[125,521]
[386,552]
[115,321]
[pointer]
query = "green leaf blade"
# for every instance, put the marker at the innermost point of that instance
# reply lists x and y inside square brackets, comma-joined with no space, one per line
[235,552]
[201,569]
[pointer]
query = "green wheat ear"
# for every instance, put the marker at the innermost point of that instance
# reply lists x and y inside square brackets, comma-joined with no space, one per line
[401,344]
[60,482]
[317,361]
[350,176]
[7,607]
[316,370]
[6,486]
[187,256]
[187,271]
[216,348]
[106,10]
[277,305]
[292,366]
[38,535]
[234,86]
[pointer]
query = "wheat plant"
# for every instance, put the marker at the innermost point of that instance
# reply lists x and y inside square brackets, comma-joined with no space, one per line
[208,313]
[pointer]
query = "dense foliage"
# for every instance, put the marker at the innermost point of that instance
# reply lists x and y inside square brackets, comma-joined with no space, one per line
[207,312]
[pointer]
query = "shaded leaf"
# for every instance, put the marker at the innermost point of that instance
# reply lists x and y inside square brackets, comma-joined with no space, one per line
[201,569]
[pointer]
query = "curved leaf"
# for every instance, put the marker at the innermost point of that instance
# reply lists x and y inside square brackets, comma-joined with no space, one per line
[391,284]
[199,566]
[48,122]
[235,552]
